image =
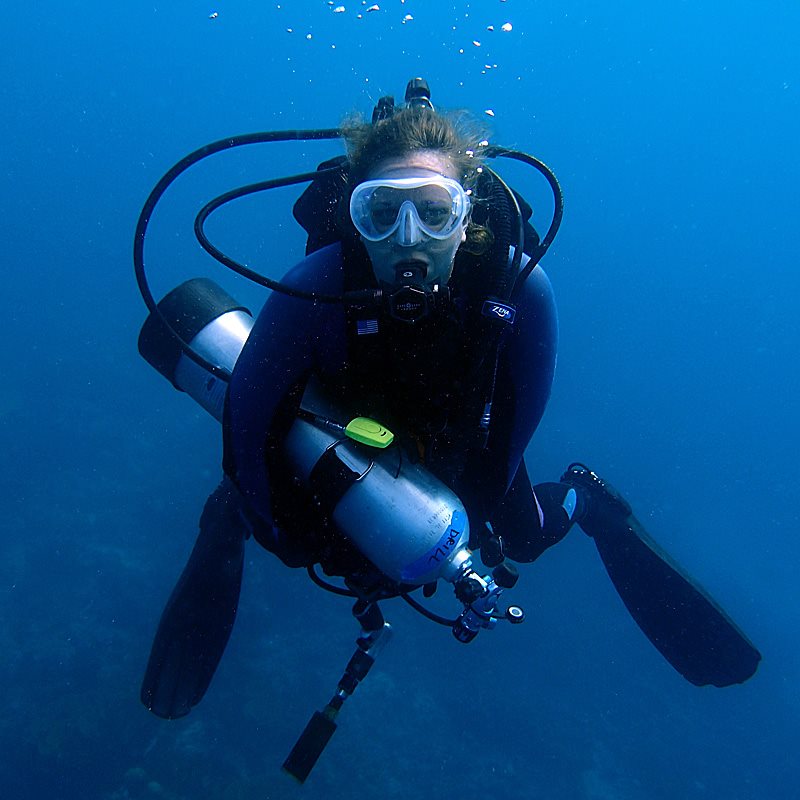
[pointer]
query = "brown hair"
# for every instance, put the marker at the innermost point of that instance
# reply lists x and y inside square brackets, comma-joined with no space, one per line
[456,135]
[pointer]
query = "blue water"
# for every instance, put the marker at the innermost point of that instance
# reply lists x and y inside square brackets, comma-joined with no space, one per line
[673,129]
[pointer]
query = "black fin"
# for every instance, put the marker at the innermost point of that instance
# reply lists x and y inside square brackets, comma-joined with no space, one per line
[675,613]
[686,625]
[199,615]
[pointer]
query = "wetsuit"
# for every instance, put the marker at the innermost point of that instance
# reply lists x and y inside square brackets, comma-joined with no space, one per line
[417,384]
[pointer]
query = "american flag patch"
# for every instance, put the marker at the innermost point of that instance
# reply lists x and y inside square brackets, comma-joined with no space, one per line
[366,326]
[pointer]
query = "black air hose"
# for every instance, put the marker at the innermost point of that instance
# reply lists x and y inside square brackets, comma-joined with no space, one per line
[500,225]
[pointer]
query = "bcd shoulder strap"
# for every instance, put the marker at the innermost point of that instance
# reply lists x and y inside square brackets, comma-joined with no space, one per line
[317,209]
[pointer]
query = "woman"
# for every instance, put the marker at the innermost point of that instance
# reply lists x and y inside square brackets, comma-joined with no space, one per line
[428,363]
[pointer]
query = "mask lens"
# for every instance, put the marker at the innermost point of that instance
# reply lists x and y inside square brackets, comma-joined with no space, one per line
[435,207]
[384,207]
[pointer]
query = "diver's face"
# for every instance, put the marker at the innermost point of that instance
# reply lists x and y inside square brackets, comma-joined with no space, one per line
[435,256]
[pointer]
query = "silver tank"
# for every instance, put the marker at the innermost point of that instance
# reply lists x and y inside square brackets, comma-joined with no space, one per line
[220,342]
[411,526]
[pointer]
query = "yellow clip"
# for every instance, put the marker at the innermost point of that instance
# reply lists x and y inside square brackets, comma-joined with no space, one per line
[369,432]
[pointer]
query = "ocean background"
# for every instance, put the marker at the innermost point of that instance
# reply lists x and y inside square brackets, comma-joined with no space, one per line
[673,128]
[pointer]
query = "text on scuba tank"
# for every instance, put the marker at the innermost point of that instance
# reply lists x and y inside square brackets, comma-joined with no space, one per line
[445,547]
[438,518]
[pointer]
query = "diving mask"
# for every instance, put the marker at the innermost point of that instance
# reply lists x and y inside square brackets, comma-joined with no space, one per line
[410,208]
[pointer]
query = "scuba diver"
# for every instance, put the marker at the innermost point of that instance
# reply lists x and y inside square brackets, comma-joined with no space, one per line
[376,412]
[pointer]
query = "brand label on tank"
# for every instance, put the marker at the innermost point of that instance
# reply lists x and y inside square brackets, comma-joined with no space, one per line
[441,551]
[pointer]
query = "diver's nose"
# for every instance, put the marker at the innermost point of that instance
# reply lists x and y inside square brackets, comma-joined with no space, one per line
[408,231]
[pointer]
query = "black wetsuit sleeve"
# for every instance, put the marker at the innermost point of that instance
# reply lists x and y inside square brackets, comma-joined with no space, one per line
[290,339]
[527,519]
[524,379]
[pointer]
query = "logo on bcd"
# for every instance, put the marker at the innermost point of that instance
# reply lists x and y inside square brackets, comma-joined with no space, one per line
[501,311]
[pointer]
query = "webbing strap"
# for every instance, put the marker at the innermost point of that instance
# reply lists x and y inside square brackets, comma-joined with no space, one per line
[330,479]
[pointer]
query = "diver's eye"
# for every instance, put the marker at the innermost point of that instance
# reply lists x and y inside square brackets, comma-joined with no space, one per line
[384,214]
[434,215]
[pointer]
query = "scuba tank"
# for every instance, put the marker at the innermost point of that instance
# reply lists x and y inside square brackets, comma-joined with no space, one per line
[214,326]
[411,526]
